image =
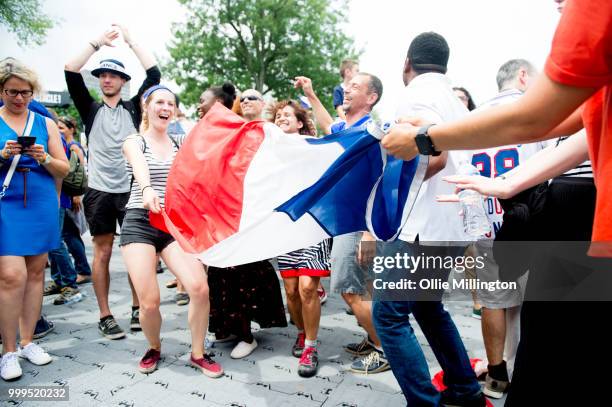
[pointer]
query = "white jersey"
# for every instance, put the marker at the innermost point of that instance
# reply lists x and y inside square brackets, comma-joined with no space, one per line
[493,162]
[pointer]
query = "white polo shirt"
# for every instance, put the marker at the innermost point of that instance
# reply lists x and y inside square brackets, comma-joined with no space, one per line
[431,97]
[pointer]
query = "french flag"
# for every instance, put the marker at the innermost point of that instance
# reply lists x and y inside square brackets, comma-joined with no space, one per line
[240,192]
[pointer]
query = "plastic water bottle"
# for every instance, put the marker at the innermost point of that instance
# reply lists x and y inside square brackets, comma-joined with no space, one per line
[475,221]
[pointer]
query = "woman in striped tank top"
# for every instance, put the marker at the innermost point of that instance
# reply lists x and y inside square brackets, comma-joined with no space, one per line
[149,158]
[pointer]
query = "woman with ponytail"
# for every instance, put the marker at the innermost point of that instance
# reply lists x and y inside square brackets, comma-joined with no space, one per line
[149,157]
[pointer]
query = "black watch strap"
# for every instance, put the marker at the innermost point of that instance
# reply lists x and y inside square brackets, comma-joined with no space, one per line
[424,143]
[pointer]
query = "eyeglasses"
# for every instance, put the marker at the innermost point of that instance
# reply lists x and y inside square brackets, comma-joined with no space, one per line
[14,92]
[250,97]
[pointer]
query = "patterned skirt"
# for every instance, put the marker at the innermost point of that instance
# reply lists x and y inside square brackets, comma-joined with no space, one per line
[313,261]
[241,294]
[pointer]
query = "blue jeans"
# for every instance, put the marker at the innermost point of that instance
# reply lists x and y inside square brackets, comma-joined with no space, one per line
[76,247]
[62,269]
[404,353]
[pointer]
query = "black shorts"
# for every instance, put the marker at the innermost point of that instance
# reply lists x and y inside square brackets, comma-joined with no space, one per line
[137,229]
[103,210]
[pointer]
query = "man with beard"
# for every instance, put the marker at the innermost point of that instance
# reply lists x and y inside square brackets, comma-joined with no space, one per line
[107,125]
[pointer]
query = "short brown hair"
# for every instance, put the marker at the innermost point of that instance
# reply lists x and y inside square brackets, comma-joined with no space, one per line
[347,64]
[308,128]
[10,67]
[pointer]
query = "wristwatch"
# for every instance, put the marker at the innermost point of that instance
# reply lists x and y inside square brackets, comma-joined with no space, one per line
[424,143]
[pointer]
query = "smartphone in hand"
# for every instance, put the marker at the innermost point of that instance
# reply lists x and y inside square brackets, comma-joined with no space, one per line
[26,141]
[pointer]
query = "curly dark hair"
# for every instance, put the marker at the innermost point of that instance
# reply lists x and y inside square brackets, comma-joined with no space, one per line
[301,114]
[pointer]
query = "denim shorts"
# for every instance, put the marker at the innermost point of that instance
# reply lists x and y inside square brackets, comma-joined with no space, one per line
[347,276]
[136,228]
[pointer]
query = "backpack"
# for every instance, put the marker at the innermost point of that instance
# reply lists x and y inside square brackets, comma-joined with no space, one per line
[75,183]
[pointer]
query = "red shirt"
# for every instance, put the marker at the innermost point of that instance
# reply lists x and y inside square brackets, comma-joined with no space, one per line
[581,56]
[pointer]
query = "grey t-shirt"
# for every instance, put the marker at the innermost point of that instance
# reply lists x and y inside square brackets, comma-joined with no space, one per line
[106,163]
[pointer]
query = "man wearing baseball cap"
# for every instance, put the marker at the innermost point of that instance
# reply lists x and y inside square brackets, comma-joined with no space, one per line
[107,125]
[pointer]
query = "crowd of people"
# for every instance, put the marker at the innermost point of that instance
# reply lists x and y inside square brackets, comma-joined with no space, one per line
[523,136]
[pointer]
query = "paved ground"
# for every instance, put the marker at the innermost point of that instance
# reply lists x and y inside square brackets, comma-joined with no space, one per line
[103,373]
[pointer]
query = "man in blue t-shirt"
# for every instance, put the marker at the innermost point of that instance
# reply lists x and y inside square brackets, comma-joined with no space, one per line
[348,70]
[350,276]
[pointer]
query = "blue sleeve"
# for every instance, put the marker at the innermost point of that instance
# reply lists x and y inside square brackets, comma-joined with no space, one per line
[338,96]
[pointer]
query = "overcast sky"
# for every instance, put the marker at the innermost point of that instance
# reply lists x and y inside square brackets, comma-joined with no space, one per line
[482,35]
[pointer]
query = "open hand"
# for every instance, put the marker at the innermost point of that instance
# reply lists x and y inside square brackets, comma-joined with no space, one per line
[108,37]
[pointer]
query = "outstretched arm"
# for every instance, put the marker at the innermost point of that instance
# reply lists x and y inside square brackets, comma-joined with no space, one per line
[322,117]
[543,166]
[538,115]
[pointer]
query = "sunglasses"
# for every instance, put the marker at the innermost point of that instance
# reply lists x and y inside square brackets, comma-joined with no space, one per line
[14,92]
[251,97]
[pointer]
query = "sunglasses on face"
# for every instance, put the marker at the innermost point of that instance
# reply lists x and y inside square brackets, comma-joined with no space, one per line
[14,92]
[251,97]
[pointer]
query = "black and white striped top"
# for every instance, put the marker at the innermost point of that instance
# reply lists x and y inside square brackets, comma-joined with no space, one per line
[584,170]
[158,171]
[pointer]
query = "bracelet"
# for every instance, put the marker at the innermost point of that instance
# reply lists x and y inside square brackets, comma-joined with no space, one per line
[148,186]
[95,45]
[46,160]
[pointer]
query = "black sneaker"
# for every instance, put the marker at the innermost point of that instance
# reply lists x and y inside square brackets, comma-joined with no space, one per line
[497,381]
[479,401]
[43,327]
[51,289]
[68,296]
[309,362]
[109,328]
[135,320]
[362,348]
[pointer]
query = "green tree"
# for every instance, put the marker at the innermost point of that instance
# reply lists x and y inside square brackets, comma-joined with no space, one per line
[261,44]
[25,19]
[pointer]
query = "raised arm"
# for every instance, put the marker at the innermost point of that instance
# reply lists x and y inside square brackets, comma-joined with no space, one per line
[321,115]
[146,58]
[78,62]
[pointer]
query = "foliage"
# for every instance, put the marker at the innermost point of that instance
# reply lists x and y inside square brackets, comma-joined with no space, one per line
[261,44]
[25,19]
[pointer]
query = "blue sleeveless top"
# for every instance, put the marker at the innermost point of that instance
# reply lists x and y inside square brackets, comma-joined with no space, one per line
[29,212]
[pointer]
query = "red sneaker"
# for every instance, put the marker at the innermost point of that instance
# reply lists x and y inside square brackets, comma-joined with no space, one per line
[322,294]
[149,361]
[298,346]
[208,366]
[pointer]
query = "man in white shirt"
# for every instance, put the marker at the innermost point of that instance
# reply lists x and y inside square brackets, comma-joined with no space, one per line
[429,94]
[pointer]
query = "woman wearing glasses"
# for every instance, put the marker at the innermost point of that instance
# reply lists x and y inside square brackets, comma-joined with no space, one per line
[28,214]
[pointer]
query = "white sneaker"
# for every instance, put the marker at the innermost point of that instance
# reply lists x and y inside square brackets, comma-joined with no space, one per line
[34,354]
[9,366]
[243,349]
